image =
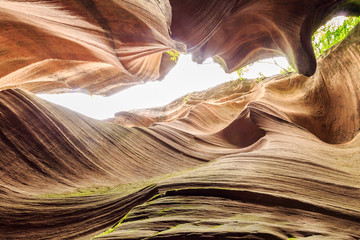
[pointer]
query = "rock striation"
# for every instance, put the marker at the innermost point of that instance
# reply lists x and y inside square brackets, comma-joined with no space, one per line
[272,160]
[240,32]
[103,47]
[277,159]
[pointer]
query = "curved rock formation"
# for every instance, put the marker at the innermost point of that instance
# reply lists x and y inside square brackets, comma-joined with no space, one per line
[277,159]
[308,102]
[103,47]
[241,32]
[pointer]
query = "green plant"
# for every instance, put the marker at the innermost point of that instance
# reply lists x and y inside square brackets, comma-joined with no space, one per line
[331,33]
[186,98]
[242,71]
[174,55]
[325,37]
[289,69]
[261,77]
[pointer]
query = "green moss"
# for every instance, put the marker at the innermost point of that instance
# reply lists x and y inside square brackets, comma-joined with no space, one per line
[186,98]
[163,211]
[124,189]
[166,230]
[114,227]
[217,226]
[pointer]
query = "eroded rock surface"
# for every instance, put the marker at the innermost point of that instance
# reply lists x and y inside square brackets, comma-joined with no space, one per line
[270,160]
[99,46]
[241,32]
[277,159]
[102,47]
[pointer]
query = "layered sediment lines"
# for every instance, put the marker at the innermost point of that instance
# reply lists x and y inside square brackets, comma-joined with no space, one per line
[240,32]
[276,159]
[102,47]
[96,46]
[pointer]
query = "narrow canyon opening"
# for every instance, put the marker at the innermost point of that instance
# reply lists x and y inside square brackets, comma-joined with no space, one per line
[250,158]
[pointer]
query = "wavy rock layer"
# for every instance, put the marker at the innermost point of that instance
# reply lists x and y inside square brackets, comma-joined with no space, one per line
[323,103]
[102,47]
[272,160]
[98,46]
[241,32]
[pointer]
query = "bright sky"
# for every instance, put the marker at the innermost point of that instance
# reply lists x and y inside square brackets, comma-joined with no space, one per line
[187,76]
[184,78]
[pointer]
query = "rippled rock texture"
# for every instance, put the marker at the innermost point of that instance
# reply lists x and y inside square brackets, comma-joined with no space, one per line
[102,47]
[277,159]
[241,32]
[95,45]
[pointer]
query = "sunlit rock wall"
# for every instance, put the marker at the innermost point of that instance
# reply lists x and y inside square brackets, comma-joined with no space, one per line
[96,46]
[276,159]
[102,47]
[269,160]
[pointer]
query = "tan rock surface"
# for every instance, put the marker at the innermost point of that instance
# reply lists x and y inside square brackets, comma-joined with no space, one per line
[102,47]
[241,32]
[277,159]
[98,46]
[269,160]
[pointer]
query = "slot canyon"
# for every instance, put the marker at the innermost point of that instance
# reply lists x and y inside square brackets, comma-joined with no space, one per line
[277,159]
